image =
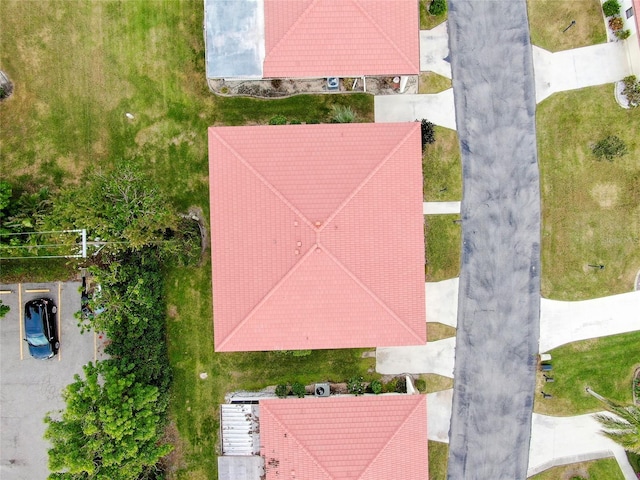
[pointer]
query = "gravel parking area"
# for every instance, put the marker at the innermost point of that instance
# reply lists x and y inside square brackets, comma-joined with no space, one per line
[30,388]
[499,295]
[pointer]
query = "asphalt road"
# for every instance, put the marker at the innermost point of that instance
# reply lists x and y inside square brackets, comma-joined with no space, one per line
[31,388]
[499,296]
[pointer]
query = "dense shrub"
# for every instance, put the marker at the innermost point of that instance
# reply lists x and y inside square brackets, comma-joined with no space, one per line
[616,23]
[438,7]
[632,90]
[376,386]
[623,34]
[278,120]
[401,385]
[421,385]
[355,386]
[427,131]
[298,390]
[609,148]
[282,391]
[611,8]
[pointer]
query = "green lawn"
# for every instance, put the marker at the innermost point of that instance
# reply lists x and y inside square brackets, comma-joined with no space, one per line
[442,247]
[438,331]
[603,469]
[590,208]
[548,19]
[442,168]
[431,82]
[428,21]
[605,364]
[438,453]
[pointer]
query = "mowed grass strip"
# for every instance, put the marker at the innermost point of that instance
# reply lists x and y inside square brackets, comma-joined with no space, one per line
[605,364]
[431,82]
[439,331]
[590,207]
[443,238]
[442,167]
[438,460]
[603,469]
[195,401]
[548,19]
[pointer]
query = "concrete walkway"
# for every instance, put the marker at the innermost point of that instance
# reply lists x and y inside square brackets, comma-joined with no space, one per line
[564,440]
[439,415]
[442,302]
[440,208]
[579,68]
[565,322]
[434,357]
[437,108]
[434,50]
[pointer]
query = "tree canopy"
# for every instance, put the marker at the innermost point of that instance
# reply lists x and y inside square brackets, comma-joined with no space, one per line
[110,429]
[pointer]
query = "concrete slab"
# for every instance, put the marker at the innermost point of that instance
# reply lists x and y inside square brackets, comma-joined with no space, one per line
[439,415]
[578,68]
[564,322]
[550,447]
[234,38]
[434,357]
[434,50]
[442,302]
[440,208]
[437,108]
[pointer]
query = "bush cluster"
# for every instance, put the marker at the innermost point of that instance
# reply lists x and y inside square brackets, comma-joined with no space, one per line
[632,90]
[356,386]
[609,148]
[611,8]
[438,7]
[298,390]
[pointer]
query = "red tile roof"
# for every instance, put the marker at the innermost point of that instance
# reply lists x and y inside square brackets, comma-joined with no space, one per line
[347,438]
[317,236]
[316,38]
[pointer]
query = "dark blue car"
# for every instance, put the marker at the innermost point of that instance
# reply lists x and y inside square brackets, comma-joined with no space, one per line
[40,328]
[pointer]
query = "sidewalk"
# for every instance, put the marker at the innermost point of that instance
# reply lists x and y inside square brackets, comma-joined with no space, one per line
[440,208]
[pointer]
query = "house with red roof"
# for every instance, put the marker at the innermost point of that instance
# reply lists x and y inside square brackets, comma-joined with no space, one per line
[317,236]
[631,17]
[372,437]
[311,38]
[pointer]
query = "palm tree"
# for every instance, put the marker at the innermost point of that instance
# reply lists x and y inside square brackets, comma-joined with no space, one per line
[623,427]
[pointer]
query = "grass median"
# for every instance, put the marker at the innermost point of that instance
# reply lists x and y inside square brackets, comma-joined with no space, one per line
[443,238]
[604,469]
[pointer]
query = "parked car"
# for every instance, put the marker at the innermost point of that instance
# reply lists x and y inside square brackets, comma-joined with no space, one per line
[40,327]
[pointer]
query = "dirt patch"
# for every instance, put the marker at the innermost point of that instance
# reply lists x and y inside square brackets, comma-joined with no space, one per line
[605,194]
[172,311]
[173,462]
[281,88]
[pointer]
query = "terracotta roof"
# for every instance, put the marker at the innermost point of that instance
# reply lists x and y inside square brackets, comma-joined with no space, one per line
[316,38]
[349,438]
[317,236]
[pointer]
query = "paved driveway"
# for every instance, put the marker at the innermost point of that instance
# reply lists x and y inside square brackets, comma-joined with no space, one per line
[564,322]
[30,388]
[437,108]
[579,68]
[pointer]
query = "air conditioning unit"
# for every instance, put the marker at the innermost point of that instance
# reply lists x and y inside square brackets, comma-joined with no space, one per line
[322,390]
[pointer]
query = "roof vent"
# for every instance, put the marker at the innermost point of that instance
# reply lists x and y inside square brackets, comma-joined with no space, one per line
[322,390]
